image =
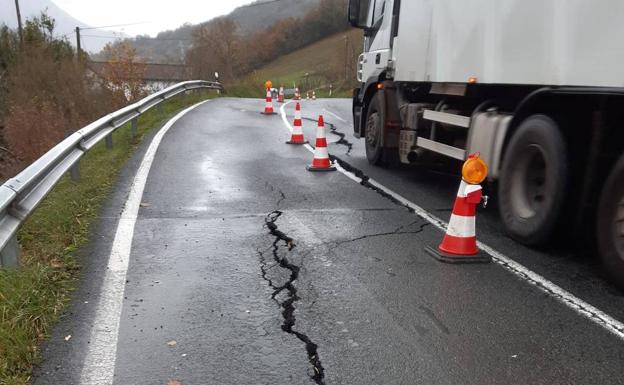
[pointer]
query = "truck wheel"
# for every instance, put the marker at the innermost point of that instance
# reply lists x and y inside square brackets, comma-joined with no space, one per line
[374,131]
[610,223]
[533,180]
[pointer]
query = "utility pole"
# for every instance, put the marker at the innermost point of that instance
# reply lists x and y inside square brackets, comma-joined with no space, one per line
[78,49]
[19,22]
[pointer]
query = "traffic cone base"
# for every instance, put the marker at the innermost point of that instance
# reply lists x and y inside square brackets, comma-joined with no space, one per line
[479,257]
[269,113]
[317,169]
[299,141]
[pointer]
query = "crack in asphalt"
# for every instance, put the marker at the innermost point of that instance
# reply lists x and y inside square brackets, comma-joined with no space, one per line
[396,231]
[334,130]
[288,306]
[360,174]
[365,182]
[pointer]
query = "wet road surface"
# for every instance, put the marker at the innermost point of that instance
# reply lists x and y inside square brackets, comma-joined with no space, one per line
[247,269]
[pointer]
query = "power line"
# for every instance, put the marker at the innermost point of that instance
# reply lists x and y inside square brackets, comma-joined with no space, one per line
[256,4]
[115,26]
[138,38]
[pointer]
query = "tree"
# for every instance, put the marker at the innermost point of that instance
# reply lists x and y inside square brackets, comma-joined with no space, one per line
[44,93]
[216,48]
[124,72]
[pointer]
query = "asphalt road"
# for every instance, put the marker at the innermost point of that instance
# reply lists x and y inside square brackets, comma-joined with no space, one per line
[246,269]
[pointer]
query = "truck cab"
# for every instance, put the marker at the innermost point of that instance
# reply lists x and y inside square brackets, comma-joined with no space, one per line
[378,31]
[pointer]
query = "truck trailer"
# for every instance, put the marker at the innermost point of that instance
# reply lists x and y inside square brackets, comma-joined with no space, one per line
[535,86]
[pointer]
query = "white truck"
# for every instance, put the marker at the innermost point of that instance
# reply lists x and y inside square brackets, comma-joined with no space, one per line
[535,86]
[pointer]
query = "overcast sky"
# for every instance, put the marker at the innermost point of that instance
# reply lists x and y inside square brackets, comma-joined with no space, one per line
[158,15]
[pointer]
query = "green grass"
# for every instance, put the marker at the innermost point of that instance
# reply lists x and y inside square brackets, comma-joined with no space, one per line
[323,61]
[32,297]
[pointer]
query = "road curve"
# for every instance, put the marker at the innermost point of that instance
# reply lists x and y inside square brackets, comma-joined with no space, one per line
[246,269]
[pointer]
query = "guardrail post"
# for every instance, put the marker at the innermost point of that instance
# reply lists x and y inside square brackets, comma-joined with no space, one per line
[133,129]
[9,256]
[74,171]
[109,141]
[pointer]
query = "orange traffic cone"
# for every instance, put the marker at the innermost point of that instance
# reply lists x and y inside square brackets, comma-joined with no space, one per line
[268,108]
[297,134]
[297,94]
[321,160]
[460,241]
[313,95]
[280,95]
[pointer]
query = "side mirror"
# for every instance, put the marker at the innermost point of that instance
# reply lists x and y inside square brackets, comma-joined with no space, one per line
[358,13]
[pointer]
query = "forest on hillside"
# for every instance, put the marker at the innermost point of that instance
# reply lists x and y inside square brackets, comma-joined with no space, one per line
[170,46]
[221,46]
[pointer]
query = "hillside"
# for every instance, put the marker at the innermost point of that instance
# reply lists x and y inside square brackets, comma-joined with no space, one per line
[261,14]
[329,61]
[65,23]
[170,46]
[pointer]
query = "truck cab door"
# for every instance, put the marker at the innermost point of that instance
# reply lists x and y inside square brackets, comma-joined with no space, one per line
[377,44]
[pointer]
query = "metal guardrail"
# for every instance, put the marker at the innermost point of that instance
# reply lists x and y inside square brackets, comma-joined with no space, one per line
[20,195]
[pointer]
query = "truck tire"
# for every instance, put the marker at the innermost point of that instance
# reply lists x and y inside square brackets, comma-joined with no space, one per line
[610,223]
[374,131]
[533,180]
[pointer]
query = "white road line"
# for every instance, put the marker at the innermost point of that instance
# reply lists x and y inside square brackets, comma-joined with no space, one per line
[566,298]
[99,364]
[283,113]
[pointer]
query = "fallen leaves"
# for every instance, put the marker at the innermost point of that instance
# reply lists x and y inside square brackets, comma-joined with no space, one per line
[174,382]
[56,264]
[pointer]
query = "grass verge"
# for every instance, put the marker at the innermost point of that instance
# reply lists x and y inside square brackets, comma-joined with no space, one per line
[32,298]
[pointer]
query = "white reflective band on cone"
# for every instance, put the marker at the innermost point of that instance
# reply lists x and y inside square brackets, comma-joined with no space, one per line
[321,153]
[461,227]
[320,132]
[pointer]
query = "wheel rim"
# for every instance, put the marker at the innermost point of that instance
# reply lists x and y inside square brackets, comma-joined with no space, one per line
[528,183]
[372,130]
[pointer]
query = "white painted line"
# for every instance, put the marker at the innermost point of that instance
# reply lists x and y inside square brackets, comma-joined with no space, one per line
[566,298]
[99,364]
[283,113]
